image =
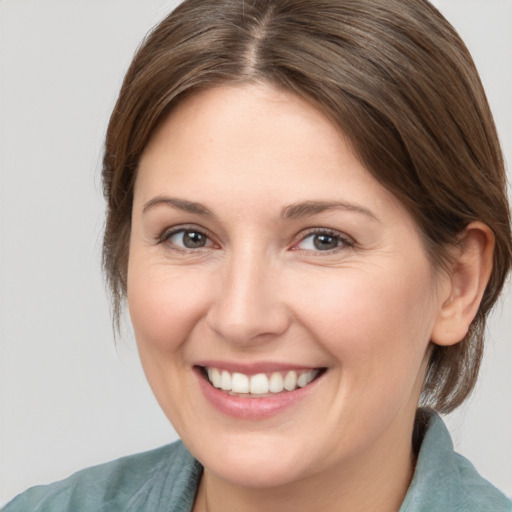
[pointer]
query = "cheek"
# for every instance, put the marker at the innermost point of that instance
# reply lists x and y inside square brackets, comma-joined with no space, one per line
[165,304]
[376,325]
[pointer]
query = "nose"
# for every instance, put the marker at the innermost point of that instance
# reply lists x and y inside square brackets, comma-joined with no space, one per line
[248,306]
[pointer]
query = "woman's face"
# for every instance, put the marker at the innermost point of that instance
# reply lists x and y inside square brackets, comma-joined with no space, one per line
[263,252]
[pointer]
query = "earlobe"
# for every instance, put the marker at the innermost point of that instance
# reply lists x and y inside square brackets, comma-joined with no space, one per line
[468,279]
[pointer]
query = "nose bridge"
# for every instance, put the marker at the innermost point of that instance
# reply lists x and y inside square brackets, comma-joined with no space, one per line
[247,305]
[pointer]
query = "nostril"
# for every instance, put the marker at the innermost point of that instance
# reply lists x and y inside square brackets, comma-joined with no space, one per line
[247,306]
[245,327]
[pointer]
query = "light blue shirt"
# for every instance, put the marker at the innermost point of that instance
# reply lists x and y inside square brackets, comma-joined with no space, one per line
[166,480]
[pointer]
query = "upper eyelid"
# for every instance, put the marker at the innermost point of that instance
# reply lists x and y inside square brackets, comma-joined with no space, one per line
[332,232]
[346,242]
[302,235]
[168,232]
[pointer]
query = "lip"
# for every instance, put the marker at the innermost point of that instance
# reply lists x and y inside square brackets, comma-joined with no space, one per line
[254,408]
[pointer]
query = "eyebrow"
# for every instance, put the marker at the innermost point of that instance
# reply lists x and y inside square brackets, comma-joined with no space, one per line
[179,204]
[308,208]
[293,211]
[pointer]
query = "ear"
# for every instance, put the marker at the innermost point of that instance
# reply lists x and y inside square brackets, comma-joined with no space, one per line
[465,285]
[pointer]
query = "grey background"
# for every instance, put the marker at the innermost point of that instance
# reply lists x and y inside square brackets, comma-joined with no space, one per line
[68,396]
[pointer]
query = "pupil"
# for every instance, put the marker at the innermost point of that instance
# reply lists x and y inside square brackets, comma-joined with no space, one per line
[193,239]
[325,242]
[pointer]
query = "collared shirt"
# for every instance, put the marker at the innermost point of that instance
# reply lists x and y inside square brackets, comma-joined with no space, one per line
[166,480]
[445,481]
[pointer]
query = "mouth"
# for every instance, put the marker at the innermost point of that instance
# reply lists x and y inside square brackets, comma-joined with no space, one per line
[259,385]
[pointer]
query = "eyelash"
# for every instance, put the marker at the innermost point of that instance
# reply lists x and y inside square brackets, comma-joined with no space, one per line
[343,241]
[167,235]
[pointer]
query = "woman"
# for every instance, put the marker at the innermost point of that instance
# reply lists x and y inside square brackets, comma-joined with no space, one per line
[306,213]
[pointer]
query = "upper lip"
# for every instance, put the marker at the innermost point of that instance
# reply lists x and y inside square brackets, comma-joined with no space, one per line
[256,367]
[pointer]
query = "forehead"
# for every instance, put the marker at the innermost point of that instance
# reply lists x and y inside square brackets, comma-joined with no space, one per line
[228,121]
[258,145]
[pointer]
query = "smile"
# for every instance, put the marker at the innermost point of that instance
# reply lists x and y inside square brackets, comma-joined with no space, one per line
[260,384]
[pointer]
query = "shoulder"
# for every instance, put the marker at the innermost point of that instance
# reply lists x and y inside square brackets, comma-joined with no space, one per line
[445,480]
[135,483]
[478,494]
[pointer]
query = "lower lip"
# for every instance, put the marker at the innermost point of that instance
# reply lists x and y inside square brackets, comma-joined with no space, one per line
[253,408]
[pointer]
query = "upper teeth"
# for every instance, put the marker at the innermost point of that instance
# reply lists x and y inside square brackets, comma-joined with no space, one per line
[260,383]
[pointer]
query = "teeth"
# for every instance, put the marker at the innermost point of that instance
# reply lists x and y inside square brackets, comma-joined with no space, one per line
[276,383]
[305,378]
[240,383]
[290,381]
[225,381]
[261,383]
[214,376]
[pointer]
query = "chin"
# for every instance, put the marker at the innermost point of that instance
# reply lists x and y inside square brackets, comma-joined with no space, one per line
[257,460]
[255,471]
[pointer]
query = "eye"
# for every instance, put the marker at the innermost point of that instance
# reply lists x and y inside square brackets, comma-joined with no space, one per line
[323,241]
[187,238]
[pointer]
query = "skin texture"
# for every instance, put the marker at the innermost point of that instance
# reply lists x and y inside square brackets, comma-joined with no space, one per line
[259,290]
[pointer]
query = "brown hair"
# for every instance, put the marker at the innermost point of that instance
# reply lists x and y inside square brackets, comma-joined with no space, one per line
[393,75]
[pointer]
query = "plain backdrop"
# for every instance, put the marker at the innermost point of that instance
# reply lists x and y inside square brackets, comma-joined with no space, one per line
[69,397]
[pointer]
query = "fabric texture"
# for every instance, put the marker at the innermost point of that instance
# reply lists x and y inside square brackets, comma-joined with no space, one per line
[162,480]
[166,480]
[446,481]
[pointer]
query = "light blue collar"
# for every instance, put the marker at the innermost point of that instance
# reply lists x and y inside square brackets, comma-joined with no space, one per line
[444,481]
